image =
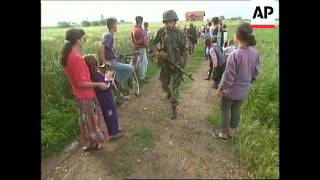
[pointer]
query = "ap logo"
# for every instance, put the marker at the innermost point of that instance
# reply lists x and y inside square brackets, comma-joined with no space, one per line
[263,14]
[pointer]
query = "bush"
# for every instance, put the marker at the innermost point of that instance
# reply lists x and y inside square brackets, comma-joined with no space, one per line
[63,24]
[103,22]
[85,23]
[95,23]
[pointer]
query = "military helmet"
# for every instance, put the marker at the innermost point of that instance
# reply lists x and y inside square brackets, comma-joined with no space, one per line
[169,16]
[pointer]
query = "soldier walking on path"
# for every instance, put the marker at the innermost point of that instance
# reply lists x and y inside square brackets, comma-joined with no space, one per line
[173,50]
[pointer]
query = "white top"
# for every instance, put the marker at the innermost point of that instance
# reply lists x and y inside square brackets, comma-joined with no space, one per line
[211,30]
[225,36]
[228,50]
[147,33]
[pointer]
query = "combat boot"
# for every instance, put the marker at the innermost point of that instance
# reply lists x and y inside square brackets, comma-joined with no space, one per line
[173,112]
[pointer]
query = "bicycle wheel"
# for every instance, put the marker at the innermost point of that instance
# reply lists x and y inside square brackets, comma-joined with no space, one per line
[116,92]
[134,87]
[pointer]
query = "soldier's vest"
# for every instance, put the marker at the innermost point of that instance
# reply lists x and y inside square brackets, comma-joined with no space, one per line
[169,43]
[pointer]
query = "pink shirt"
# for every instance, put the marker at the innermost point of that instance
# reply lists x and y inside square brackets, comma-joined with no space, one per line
[77,71]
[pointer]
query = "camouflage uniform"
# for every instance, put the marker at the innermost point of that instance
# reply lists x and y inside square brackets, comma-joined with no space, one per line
[188,42]
[192,36]
[173,47]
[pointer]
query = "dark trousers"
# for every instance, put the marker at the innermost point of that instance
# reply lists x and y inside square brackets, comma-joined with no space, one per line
[217,74]
[210,69]
[230,113]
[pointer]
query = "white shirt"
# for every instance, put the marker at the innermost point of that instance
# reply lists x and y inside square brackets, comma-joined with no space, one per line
[229,50]
[211,30]
[225,36]
[147,33]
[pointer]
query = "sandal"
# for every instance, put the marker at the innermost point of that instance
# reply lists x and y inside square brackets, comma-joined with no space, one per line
[224,139]
[88,148]
[97,147]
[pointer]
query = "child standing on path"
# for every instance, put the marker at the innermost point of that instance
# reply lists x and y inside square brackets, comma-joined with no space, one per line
[104,96]
[241,70]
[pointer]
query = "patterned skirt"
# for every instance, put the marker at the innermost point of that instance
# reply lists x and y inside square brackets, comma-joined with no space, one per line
[92,125]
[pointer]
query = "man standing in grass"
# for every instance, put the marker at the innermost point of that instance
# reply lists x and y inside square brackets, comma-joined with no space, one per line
[139,40]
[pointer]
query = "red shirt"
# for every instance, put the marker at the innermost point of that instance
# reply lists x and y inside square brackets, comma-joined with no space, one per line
[138,36]
[77,71]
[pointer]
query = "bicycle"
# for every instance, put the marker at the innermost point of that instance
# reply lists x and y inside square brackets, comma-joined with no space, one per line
[132,84]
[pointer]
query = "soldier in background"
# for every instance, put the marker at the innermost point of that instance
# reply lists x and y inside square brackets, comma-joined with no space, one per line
[192,36]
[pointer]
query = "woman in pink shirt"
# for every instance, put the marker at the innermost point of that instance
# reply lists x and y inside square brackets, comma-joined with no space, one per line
[93,130]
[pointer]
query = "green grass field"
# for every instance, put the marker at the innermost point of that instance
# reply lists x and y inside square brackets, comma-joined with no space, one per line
[258,142]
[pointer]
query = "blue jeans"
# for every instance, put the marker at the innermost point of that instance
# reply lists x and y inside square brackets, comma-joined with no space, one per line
[142,63]
[124,71]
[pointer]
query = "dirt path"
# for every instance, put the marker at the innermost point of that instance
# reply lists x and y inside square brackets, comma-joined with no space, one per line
[155,146]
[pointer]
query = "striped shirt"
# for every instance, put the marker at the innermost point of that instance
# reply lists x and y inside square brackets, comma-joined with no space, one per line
[213,56]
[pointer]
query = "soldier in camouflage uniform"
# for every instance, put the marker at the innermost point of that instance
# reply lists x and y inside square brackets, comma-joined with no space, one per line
[172,48]
[192,36]
[188,42]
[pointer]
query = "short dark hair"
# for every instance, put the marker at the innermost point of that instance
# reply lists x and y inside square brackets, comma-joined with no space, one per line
[207,41]
[145,23]
[139,19]
[224,26]
[215,20]
[111,22]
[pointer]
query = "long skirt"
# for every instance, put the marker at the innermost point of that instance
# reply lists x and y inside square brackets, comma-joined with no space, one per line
[91,121]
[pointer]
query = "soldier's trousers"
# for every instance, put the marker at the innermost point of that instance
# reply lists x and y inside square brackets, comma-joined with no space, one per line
[171,81]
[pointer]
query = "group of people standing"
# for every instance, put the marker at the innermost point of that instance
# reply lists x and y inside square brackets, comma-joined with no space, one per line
[216,42]
[231,69]
[97,115]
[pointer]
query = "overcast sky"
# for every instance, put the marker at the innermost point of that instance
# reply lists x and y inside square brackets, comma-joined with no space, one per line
[76,11]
